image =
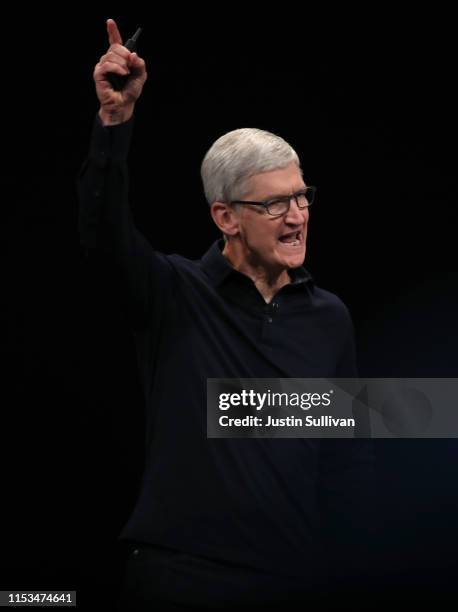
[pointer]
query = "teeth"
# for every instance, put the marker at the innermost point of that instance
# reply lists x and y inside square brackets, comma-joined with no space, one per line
[294,243]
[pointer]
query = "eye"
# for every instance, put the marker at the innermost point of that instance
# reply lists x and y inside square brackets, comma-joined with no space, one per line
[278,207]
[279,202]
[302,198]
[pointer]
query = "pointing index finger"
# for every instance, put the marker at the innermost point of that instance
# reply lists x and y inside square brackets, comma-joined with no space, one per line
[114,37]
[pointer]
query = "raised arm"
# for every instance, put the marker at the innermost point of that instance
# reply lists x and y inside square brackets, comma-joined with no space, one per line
[105,221]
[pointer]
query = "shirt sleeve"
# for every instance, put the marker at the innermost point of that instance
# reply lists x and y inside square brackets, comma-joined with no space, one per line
[107,229]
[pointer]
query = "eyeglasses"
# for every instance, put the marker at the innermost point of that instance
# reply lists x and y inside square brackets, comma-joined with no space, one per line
[280,206]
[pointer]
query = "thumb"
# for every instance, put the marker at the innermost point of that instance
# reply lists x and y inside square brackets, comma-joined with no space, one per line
[136,62]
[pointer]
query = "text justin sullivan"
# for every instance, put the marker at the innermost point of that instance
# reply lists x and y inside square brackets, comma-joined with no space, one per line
[309,421]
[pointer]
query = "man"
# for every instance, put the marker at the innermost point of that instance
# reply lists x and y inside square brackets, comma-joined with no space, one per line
[223,521]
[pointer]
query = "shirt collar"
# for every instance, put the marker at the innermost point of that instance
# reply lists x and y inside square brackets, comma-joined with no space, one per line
[218,268]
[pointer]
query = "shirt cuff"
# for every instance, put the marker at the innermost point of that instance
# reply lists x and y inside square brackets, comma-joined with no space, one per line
[110,142]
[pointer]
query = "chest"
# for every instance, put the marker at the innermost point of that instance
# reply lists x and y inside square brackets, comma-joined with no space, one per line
[224,336]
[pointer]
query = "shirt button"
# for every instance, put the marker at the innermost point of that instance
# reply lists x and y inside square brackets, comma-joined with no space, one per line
[101,159]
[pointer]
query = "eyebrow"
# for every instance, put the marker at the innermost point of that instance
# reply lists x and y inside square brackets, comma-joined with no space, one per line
[276,196]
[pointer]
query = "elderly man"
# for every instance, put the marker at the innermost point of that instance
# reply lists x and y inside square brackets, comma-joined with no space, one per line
[223,521]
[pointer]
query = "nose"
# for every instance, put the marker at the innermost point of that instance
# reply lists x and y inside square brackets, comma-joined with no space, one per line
[295,215]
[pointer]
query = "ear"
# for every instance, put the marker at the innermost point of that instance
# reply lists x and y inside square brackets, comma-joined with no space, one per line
[225,217]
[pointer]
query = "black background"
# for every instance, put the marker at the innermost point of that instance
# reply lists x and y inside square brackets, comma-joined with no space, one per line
[369,107]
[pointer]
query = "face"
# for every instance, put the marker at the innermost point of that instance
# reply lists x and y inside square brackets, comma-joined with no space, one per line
[275,243]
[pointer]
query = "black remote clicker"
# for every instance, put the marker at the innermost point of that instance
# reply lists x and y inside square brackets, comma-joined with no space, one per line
[117,81]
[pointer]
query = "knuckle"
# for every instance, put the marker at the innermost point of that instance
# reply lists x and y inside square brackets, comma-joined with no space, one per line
[119,49]
[114,58]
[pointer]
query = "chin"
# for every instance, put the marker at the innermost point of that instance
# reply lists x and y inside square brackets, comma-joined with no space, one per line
[294,261]
[295,264]
[290,260]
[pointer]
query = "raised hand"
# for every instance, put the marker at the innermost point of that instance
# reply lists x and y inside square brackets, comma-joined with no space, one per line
[118,106]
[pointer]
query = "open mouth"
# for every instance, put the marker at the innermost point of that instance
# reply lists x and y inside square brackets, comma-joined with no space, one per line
[293,239]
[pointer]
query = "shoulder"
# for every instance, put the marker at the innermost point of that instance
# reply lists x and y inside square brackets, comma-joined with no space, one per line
[327,299]
[184,267]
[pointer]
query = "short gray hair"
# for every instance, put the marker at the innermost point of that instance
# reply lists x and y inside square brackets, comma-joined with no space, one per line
[238,155]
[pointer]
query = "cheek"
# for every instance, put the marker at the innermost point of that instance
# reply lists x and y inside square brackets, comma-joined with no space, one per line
[262,236]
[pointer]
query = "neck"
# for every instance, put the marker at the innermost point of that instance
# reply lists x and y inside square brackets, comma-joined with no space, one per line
[267,282]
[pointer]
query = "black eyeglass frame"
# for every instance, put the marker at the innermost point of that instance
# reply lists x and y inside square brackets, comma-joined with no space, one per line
[266,203]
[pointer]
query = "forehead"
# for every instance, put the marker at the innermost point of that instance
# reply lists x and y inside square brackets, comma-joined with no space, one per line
[282,181]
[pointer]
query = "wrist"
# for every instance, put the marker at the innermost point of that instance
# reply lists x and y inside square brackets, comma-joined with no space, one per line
[114,116]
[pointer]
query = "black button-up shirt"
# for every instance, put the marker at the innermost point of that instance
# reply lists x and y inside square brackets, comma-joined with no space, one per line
[257,503]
